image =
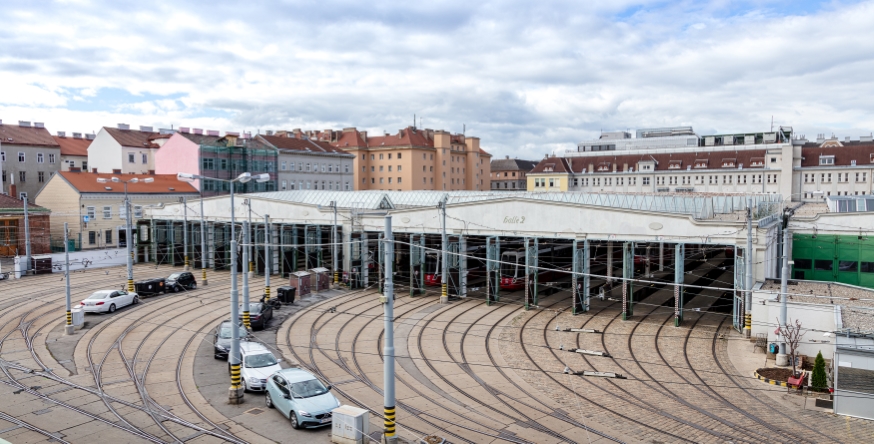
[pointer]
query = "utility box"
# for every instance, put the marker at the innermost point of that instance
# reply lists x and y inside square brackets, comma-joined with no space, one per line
[321,279]
[350,425]
[285,294]
[41,264]
[78,318]
[302,280]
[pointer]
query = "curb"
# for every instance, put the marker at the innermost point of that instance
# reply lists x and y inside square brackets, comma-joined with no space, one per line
[770,381]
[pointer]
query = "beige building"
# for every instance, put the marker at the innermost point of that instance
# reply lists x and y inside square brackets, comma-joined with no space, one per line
[95,211]
[412,159]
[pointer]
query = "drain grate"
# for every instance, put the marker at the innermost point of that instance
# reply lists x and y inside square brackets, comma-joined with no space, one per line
[255,411]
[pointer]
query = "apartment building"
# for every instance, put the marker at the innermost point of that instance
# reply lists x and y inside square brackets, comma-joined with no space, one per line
[773,162]
[413,159]
[95,211]
[510,174]
[74,150]
[29,157]
[307,164]
[122,150]
[222,157]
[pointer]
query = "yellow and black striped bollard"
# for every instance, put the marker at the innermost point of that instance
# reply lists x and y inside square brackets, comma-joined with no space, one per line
[389,423]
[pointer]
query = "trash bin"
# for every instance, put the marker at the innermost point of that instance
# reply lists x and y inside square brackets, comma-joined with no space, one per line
[286,294]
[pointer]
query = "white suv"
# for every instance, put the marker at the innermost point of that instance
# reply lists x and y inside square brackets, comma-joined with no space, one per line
[257,365]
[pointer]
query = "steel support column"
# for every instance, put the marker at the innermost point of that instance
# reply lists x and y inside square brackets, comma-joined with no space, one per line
[493,269]
[580,283]
[627,275]
[417,262]
[679,279]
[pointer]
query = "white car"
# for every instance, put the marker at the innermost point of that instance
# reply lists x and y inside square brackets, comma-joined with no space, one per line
[108,301]
[258,364]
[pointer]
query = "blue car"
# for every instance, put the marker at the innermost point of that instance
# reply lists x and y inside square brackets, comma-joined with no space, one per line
[302,398]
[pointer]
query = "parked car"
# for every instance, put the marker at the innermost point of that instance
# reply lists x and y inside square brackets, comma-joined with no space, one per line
[257,365]
[222,339]
[300,397]
[108,301]
[182,280]
[151,286]
[259,314]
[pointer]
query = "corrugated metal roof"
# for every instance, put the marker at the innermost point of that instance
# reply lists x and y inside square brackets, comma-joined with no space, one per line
[366,200]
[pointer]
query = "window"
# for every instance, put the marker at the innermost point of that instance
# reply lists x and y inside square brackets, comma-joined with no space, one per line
[20,156]
[380,168]
[822,265]
[803,264]
[867,267]
[851,266]
[138,211]
[208,164]
[92,237]
[399,180]
[130,158]
[51,158]
[645,181]
[122,212]
[3,156]
[40,158]
[284,184]
[347,168]
[41,177]
[823,160]
[347,186]
[431,169]
[323,168]
[308,167]
[380,157]
[223,164]
[399,155]
[91,212]
[22,177]
[372,169]
[4,175]
[108,237]
[330,168]
[291,166]
[145,158]
[380,180]
[389,156]
[389,180]
[283,165]
[107,212]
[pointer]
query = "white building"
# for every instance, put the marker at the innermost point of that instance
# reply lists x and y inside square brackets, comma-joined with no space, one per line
[122,150]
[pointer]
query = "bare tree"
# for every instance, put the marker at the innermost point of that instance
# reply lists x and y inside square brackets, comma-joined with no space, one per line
[792,335]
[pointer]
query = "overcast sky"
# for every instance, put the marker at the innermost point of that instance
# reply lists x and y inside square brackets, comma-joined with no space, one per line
[526,77]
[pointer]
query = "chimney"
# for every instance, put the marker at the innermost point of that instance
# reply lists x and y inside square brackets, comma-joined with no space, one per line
[43,125]
[591,167]
[24,123]
[212,133]
[123,126]
[77,135]
[232,138]
[614,167]
[94,170]
[297,133]
[12,190]
[89,136]
[151,172]
[269,132]
[625,167]
[363,136]
[62,134]
[114,171]
[197,131]
[184,129]
[147,129]
[507,157]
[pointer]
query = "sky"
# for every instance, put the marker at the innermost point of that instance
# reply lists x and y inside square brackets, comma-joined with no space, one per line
[527,78]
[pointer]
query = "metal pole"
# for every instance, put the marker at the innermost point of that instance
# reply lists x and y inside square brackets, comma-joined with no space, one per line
[249,244]
[389,436]
[246,229]
[128,241]
[203,252]
[185,231]
[444,269]
[748,262]
[267,269]
[68,328]
[661,256]
[784,285]
[26,237]
[334,246]
[235,393]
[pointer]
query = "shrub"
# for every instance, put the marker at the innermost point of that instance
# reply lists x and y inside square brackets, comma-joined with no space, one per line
[819,380]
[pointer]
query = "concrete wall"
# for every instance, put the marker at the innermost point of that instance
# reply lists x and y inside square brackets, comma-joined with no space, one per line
[138,166]
[178,155]
[104,153]
[816,318]
[80,260]
[78,162]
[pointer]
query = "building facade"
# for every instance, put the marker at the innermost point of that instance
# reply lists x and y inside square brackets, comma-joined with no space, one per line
[510,174]
[412,159]
[798,169]
[95,212]
[29,157]
[74,150]
[306,164]
[12,232]
[221,157]
[122,150]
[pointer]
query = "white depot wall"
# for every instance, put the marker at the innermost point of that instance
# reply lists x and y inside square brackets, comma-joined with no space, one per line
[80,260]
[815,318]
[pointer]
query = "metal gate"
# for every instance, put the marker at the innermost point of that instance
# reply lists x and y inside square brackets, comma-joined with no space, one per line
[417,261]
[493,269]
[737,310]
[287,249]
[312,246]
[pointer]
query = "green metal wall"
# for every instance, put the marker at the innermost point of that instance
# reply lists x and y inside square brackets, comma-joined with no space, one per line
[833,258]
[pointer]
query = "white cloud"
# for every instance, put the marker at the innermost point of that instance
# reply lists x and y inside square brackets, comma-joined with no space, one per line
[527,78]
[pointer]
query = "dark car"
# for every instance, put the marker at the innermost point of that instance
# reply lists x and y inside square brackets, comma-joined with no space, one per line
[151,286]
[259,314]
[180,281]
[221,341]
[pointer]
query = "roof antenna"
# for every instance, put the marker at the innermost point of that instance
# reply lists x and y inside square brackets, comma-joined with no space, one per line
[463,129]
[414,120]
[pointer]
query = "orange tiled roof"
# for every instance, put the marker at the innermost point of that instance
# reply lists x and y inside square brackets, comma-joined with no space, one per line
[26,135]
[73,146]
[164,183]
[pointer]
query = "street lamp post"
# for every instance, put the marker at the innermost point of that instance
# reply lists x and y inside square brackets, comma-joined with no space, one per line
[127,218]
[235,392]
[203,252]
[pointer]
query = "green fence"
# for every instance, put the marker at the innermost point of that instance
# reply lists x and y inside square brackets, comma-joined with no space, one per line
[57,245]
[832,258]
